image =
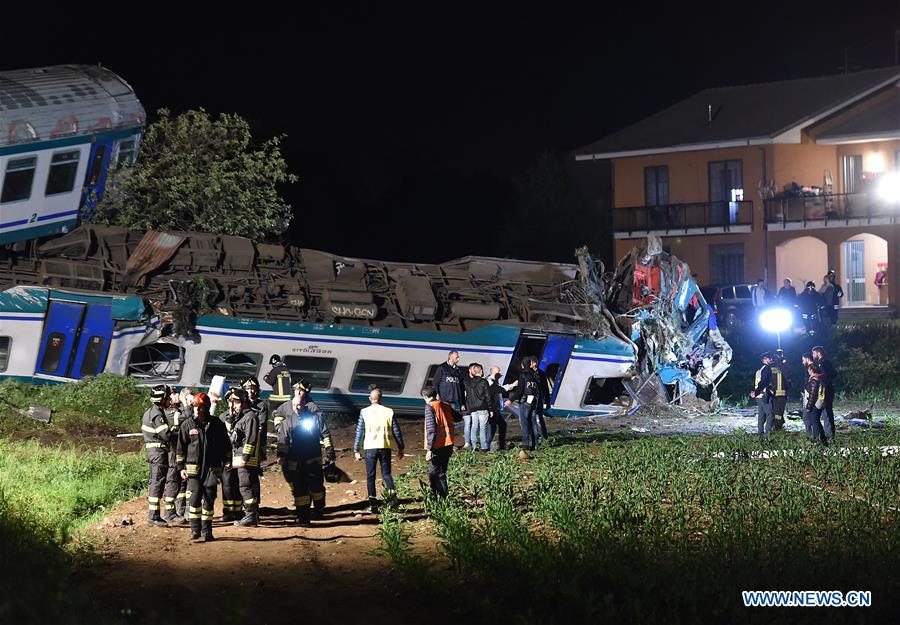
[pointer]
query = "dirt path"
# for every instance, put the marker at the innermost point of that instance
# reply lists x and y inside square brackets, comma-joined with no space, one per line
[278,571]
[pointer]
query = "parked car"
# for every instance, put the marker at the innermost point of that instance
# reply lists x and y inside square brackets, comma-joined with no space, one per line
[732,304]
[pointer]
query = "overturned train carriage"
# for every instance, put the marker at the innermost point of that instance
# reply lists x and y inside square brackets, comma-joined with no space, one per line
[182,307]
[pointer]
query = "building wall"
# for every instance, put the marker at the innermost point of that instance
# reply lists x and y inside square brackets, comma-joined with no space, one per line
[801,259]
[804,164]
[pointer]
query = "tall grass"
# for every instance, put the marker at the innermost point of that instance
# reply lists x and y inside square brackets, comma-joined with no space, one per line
[62,489]
[106,403]
[661,530]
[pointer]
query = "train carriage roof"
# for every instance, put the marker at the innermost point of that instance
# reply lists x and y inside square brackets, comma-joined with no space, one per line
[46,103]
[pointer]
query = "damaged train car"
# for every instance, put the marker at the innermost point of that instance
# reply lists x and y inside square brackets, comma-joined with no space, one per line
[180,308]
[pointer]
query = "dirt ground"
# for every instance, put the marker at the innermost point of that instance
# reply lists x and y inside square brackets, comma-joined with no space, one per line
[268,574]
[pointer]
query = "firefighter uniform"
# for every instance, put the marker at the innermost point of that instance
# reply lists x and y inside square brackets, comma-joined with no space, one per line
[232,503]
[279,378]
[778,385]
[174,494]
[301,436]
[244,437]
[258,405]
[202,449]
[155,428]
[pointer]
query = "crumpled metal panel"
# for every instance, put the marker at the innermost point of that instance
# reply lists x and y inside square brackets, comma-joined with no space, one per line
[151,253]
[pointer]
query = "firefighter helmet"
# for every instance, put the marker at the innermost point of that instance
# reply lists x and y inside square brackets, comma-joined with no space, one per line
[236,394]
[302,385]
[202,399]
[250,382]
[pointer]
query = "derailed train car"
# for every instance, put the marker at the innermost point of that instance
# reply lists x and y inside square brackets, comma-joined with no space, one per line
[180,308]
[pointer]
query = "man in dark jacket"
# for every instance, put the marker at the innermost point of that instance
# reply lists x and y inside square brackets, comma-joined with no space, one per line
[301,436]
[528,394]
[762,393]
[479,400]
[787,294]
[829,375]
[258,405]
[449,382]
[808,304]
[156,429]
[814,395]
[203,449]
[498,419]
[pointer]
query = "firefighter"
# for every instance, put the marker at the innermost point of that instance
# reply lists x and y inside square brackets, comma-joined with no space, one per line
[279,378]
[762,393]
[232,503]
[244,435]
[780,387]
[175,489]
[155,427]
[258,405]
[202,451]
[302,432]
[301,395]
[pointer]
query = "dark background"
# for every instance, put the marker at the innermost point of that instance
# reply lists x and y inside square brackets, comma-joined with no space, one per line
[432,132]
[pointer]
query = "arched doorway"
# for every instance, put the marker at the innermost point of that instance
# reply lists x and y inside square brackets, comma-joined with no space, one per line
[802,259]
[862,257]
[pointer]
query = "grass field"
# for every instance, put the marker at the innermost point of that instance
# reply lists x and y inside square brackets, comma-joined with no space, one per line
[659,530]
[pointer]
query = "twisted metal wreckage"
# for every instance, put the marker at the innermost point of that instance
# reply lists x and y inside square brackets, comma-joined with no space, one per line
[650,301]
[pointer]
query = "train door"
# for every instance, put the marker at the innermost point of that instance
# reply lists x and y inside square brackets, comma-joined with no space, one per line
[552,351]
[75,340]
[554,360]
[98,165]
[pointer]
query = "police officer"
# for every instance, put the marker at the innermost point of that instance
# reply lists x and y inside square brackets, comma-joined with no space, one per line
[156,429]
[203,449]
[780,387]
[244,458]
[175,489]
[279,378]
[528,394]
[449,382]
[762,393]
[258,405]
[302,432]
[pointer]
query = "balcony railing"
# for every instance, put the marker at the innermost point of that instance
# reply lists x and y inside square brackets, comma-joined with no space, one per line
[834,208]
[696,218]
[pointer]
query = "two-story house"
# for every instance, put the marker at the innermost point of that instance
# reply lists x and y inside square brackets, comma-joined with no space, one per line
[778,180]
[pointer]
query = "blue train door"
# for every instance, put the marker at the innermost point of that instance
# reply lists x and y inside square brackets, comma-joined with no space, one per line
[98,165]
[75,340]
[554,360]
[93,343]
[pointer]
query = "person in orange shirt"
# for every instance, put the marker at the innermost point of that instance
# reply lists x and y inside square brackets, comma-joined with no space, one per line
[439,419]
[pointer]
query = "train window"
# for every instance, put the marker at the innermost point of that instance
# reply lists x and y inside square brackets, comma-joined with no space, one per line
[125,154]
[429,377]
[235,366]
[388,376]
[63,168]
[97,164]
[18,179]
[53,352]
[316,371]
[5,344]
[90,364]
[157,361]
[602,391]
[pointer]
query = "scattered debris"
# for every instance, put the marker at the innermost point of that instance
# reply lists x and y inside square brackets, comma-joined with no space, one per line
[127,520]
[38,413]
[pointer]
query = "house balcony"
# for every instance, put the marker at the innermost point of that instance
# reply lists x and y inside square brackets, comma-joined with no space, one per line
[833,210]
[683,219]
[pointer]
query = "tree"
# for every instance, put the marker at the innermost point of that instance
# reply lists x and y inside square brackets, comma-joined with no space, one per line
[196,173]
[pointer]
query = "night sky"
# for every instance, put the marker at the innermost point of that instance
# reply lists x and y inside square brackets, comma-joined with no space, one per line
[407,125]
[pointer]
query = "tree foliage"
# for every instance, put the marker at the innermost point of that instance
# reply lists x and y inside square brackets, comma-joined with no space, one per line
[199,173]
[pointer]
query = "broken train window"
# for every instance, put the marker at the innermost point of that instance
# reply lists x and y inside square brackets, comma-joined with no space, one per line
[234,366]
[158,361]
